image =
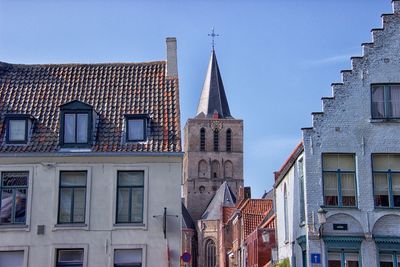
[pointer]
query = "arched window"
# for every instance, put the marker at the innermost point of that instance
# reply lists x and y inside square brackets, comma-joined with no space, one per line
[228,169]
[215,169]
[229,140]
[216,140]
[203,168]
[211,255]
[202,139]
[285,207]
[194,251]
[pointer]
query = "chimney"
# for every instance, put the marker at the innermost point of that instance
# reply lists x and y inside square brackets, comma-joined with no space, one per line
[396,6]
[172,60]
[247,192]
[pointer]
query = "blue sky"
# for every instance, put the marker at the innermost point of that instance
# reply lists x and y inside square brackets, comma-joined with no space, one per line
[277,57]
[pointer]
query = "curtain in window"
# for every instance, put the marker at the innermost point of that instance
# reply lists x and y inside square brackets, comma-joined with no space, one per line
[331,189]
[395,100]
[351,259]
[17,130]
[334,260]
[348,189]
[82,123]
[11,258]
[381,188]
[385,260]
[396,189]
[69,128]
[128,257]
[378,106]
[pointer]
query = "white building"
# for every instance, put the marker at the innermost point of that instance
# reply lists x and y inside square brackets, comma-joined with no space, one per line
[351,168]
[90,157]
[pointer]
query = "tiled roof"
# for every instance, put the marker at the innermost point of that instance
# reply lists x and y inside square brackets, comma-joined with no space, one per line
[250,222]
[257,206]
[112,89]
[288,163]
[187,221]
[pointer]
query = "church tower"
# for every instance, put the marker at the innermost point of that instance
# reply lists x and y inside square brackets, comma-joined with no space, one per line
[213,146]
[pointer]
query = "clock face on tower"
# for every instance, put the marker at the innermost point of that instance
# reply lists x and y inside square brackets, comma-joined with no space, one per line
[216,125]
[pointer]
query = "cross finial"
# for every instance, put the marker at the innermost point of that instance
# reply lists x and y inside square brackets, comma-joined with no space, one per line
[213,35]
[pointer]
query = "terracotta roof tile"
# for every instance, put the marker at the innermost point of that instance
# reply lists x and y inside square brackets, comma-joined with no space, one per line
[112,89]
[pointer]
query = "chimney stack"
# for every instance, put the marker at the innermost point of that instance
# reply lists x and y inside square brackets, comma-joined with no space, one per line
[172,60]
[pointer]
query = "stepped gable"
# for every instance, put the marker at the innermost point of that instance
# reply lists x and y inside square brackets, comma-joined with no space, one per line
[381,53]
[213,98]
[224,197]
[112,89]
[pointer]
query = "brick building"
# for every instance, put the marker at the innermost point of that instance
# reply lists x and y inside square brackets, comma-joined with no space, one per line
[212,166]
[338,194]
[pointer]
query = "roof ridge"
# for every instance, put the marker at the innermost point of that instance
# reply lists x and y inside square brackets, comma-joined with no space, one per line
[86,64]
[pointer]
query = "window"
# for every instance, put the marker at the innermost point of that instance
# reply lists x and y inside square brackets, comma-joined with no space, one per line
[76,124]
[386,173]
[127,258]
[203,168]
[216,140]
[286,212]
[229,140]
[211,255]
[300,169]
[17,128]
[72,197]
[130,195]
[136,127]
[202,139]
[13,194]
[228,169]
[389,259]
[215,169]
[11,258]
[343,259]
[70,257]
[385,101]
[339,180]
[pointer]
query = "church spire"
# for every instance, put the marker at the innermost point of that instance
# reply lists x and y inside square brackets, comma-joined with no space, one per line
[213,99]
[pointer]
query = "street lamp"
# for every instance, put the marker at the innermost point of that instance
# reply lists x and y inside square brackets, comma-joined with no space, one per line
[265,236]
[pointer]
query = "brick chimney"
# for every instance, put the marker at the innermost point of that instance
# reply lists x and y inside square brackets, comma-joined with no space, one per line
[172,59]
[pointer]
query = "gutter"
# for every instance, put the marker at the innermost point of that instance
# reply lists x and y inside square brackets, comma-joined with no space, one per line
[92,154]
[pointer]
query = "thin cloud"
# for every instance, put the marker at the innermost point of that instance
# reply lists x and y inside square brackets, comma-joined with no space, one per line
[329,60]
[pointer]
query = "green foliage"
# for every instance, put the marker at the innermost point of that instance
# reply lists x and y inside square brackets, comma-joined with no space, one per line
[283,263]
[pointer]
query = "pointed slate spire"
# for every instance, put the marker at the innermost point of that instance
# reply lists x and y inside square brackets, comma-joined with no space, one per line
[213,99]
[224,197]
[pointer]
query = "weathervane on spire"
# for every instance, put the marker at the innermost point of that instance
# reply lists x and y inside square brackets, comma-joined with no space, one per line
[213,35]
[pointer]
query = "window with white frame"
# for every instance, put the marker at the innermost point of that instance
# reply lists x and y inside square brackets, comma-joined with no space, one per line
[343,259]
[128,258]
[300,169]
[11,258]
[385,101]
[389,259]
[72,197]
[386,173]
[339,179]
[13,195]
[130,197]
[70,257]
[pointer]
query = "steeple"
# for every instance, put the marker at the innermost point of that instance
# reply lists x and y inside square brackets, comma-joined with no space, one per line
[213,99]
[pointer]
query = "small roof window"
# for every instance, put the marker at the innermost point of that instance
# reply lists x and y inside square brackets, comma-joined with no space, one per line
[18,128]
[136,127]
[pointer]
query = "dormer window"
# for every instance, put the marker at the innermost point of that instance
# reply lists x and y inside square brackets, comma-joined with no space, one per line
[136,126]
[76,124]
[17,128]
